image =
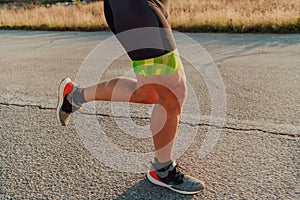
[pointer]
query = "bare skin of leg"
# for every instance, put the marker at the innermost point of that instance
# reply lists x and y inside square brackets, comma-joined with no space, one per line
[168,92]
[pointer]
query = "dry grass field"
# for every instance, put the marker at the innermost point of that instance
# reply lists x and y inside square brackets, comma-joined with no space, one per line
[236,16]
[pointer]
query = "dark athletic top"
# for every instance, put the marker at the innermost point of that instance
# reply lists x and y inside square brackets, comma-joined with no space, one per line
[125,15]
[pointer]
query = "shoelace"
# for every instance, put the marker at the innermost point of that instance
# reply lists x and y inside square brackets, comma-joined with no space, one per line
[175,175]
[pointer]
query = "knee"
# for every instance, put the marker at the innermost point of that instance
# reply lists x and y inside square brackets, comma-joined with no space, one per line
[146,94]
[173,98]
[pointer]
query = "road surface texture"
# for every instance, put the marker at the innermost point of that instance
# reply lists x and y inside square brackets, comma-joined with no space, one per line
[255,157]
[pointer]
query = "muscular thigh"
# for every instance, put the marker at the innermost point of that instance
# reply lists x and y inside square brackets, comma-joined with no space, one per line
[167,87]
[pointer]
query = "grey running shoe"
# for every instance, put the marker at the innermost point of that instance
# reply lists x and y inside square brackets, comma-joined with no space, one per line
[173,179]
[66,105]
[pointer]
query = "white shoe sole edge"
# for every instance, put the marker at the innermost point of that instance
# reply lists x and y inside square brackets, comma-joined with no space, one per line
[61,88]
[154,181]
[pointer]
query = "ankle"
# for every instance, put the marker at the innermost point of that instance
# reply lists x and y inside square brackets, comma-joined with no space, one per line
[78,96]
[160,165]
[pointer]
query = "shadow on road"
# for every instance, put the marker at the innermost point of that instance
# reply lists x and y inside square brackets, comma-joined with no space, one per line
[145,190]
[250,40]
[235,45]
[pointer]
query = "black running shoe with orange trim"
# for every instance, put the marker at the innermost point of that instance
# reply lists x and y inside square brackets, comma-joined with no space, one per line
[175,180]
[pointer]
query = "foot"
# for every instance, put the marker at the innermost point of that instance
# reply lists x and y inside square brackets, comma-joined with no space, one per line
[175,180]
[66,105]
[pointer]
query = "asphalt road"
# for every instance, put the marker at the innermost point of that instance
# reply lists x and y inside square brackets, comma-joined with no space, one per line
[255,157]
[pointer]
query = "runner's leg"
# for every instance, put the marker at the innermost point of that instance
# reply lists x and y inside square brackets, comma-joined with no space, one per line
[168,91]
[121,90]
[171,90]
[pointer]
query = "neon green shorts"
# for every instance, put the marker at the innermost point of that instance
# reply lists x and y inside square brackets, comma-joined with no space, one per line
[163,65]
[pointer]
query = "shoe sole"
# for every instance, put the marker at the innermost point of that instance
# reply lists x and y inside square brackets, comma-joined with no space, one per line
[61,89]
[156,182]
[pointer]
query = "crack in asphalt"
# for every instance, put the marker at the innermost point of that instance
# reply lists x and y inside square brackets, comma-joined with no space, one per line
[148,118]
[244,129]
[27,105]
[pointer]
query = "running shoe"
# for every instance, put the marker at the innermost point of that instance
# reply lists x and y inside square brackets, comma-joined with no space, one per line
[174,180]
[66,105]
